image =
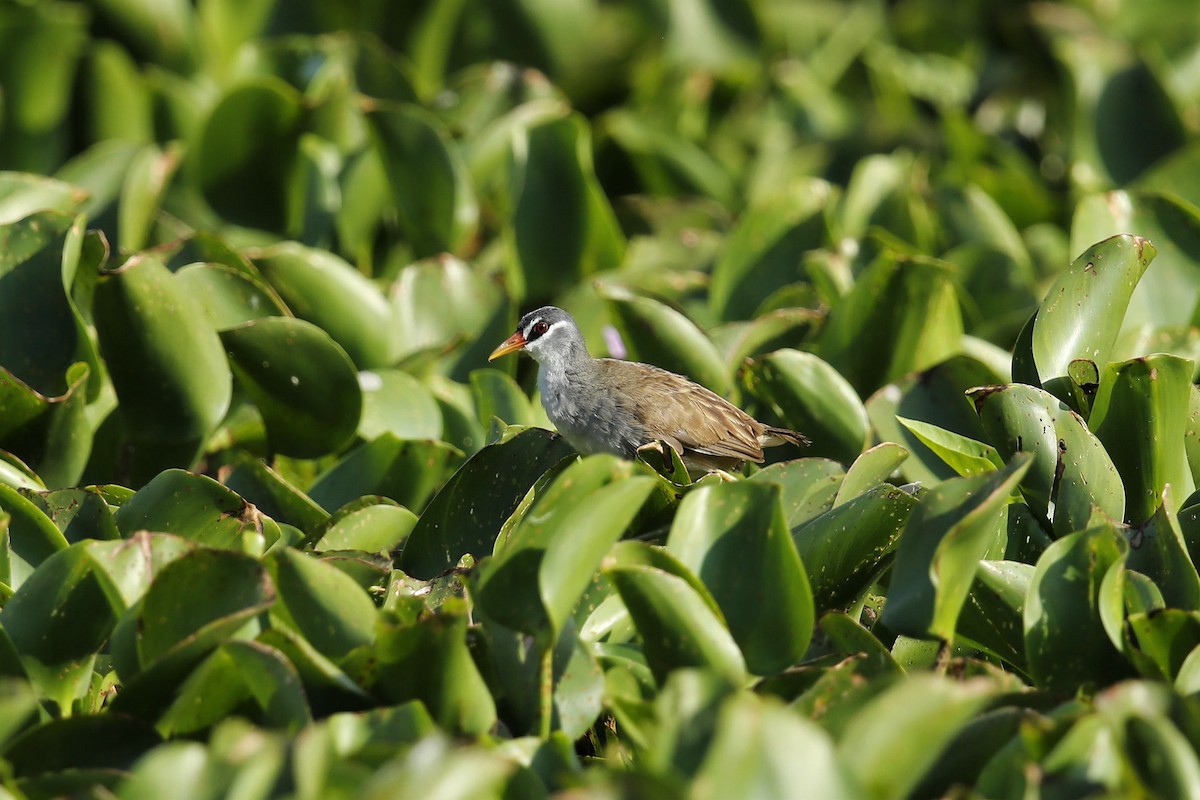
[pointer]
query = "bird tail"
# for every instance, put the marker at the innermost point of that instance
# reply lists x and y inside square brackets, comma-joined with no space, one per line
[776,436]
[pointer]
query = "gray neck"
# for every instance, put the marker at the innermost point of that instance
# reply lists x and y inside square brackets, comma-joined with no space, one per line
[562,351]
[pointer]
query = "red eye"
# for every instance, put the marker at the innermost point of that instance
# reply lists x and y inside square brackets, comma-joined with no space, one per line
[539,328]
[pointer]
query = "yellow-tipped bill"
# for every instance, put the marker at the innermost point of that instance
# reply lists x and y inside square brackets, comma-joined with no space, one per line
[510,345]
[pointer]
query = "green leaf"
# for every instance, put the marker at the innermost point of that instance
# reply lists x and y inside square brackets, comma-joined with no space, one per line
[677,627]
[407,472]
[499,396]
[443,303]
[58,620]
[869,470]
[1158,551]
[31,538]
[950,530]
[142,193]
[1084,307]
[469,509]
[562,228]
[542,567]
[808,395]
[430,186]
[166,363]
[843,549]
[964,455]
[303,383]
[809,486]
[227,295]
[735,539]
[902,315]
[375,527]
[321,602]
[1065,639]
[245,152]
[325,290]
[934,397]
[235,588]
[993,616]
[1140,415]
[236,672]
[657,334]
[42,339]
[1168,295]
[1071,474]
[397,403]
[765,251]
[195,507]
[897,736]
[429,661]
[272,495]
[759,743]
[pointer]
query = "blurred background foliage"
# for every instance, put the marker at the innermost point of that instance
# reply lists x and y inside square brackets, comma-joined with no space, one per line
[273,526]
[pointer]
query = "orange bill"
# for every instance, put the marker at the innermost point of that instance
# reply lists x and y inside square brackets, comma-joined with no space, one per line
[510,345]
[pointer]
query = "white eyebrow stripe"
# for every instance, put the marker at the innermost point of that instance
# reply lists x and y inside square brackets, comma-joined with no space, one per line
[562,323]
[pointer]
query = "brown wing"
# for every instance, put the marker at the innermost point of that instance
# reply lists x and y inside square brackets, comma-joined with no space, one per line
[685,414]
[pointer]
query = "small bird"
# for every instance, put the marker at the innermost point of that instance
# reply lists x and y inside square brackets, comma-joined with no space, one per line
[603,405]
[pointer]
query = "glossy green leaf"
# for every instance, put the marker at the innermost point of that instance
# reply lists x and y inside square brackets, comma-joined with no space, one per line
[331,294]
[195,507]
[760,744]
[735,539]
[429,661]
[90,747]
[375,527]
[655,333]
[499,396]
[765,251]
[274,496]
[808,395]
[1168,294]
[58,620]
[408,472]
[950,530]
[42,340]
[901,316]
[1071,473]
[245,151]
[324,604]
[31,538]
[303,383]
[809,486]
[869,470]
[562,226]
[1140,415]
[1084,307]
[227,295]
[541,569]
[443,303]
[397,403]
[964,455]
[1065,640]
[936,397]
[1157,550]
[237,672]
[676,626]
[235,588]
[993,616]
[430,187]
[166,363]
[844,548]
[469,509]
[142,193]
[897,736]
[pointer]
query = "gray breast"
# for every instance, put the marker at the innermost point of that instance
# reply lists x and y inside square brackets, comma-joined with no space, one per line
[588,416]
